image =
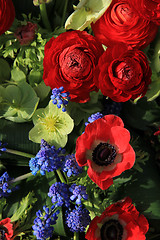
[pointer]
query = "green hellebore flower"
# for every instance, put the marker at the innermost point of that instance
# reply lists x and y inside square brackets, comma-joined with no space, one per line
[86,11]
[52,125]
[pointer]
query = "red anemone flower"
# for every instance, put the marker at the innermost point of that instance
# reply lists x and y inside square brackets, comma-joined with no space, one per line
[6,231]
[105,148]
[120,221]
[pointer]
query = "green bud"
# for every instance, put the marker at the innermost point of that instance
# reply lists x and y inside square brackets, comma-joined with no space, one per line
[38,2]
[86,12]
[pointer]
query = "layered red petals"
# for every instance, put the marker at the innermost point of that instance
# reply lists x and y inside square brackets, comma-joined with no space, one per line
[7,15]
[149,9]
[122,74]
[7,227]
[122,23]
[106,130]
[131,225]
[70,61]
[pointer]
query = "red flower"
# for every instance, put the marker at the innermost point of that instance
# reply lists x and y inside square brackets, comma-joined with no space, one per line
[122,74]
[157,132]
[26,33]
[149,9]
[69,61]
[7,15]
[6,231]
[121,221]
[121,23]
[105,148]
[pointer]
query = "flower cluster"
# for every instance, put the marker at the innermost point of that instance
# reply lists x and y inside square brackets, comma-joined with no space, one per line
[78,219]
[70,166]
[47,159]
[60,98]
[5,185]
[43,224]
[78,192]
[94,117]
[6,229]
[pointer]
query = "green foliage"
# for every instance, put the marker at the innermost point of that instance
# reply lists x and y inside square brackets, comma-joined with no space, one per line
[18,100]
[4,70]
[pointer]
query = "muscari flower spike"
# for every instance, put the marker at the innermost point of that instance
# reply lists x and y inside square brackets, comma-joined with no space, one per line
[59,193]
[78,219]
[70,166]
[47,159]
[5,185]
[43,223]
[60,98]
[78,192]
[94,117]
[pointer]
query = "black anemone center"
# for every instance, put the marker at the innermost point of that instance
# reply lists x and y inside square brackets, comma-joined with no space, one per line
[104,154]
[111,230]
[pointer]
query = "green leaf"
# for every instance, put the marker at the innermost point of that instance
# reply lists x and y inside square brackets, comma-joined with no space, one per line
[19,102]
[24,205]
[154,90]
[4,70]
[52,125]
[17,75]
[34,78]
[42,90]
[59,226]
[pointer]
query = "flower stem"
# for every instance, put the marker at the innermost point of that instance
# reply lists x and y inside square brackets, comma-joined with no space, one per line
[60,176]
[76,236]
[45,16]
[27,175]
[23,154]
[64,12]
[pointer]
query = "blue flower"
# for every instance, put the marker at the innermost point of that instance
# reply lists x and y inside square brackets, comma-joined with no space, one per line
[78,219]
[59,193]
[47,159]
[2,147]
[78,192]
[5,185]
[59,98]
[43,223]
[71,166]
[94,117]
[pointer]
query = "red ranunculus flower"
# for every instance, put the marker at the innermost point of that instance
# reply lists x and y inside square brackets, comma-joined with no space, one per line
[120,221]
[149,9]
[121,23]
[7,15]
[26,33]
[105,148]
[6,231]
[69,61]
[122,74]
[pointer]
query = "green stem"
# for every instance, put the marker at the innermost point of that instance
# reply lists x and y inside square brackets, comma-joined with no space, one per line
[45,16]
[76,236]
[60,176]
[23,154]
[27,175]
[64,12]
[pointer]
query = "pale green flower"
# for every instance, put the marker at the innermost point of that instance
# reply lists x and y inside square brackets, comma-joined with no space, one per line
[52,125]
[86,12]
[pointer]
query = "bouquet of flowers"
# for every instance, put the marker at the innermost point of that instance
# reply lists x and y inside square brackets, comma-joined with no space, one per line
[79,119]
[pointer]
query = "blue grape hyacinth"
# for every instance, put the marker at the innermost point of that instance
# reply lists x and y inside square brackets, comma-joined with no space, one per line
[43,223]
[60,98]
[47,159]
[59,193]
[94,117]
[70,166]
[78,192]
[5,185]
[78,219]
